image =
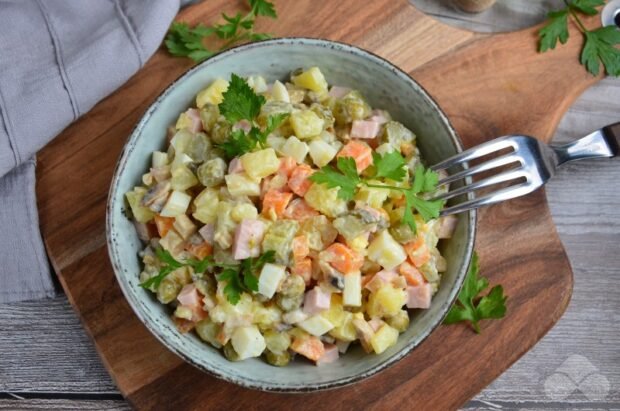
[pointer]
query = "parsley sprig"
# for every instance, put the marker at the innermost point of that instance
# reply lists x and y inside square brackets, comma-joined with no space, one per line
[470,307]
[239,278]
[390,166]
[240,102]
[244,279]
[184,41]
[600,44]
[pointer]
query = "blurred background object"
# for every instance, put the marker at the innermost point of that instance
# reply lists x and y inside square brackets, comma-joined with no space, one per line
[474,6]
[504,15]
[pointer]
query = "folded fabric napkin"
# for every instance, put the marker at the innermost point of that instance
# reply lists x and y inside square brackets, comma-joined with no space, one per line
[57,60]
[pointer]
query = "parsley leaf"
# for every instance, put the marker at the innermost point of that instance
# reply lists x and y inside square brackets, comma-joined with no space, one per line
[470,307]
[587,6]
[244,279]
[240,101]
[345,178]
[169,264]
[183,41]
[600,44]
[390,165]
[600,47]
[263,8]
[556,29]
[240,142]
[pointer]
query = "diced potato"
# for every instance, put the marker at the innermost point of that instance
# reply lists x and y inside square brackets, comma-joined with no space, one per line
[346,331]
[243,211]
[177,204]
[225,225]
[352,294]
[180,141]
[279,92]
[316,325]
[241,184]
[257,83]
[312,79]
[182,178]
[185,313]
[319,231]
[207,330]
[374,197]
[206,206]
[321,152]
[212,94]
[140,213]
[260,163]
[184,121]
[270,278]
[172,242]
[276,142]
[248,342]
[386,251]
[335,314]
[384,338]
[387,301]
[159,159]
[306,124]
[267,317]
[326,200]
[295,148]
[184,226]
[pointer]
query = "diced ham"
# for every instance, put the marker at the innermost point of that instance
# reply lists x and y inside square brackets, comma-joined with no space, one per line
[317,300]
[338,92]
[194,116]
[248,237]
[235,166]
[378,116]
[207,232]
[447,225]
[329,356]
[190,298]
[243,125]
[380,279]
[365,129]
[419,296]
[375,324]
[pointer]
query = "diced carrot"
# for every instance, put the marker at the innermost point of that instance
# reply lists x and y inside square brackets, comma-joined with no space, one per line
[184,326]
[303,268]
[418,252]
[298,181]
[163,224]
[310,347]
[277,201]
[200,251]
[411,274]
[343,259]
[300,247]
[299,210]
[287,164]
[274,182]
[361,153]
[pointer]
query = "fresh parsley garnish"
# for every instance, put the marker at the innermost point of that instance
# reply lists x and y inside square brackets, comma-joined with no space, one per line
[244,279]
[600,44]
[390,166]
[470,307]
[169,264]
[184,41]
[240,102]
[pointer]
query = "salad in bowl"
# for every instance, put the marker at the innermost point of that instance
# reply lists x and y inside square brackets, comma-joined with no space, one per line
[289,219]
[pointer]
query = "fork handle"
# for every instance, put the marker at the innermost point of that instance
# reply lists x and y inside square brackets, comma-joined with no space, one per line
[612,136]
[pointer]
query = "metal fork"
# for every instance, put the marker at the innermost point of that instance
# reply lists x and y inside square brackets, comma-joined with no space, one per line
[535,163]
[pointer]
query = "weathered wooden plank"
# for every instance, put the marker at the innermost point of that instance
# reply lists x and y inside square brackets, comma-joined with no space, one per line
[61,404]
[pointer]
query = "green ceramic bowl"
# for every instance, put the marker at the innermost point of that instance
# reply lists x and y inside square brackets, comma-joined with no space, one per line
[385,86]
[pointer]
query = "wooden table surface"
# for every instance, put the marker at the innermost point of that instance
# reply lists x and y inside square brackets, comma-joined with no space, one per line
[48,362]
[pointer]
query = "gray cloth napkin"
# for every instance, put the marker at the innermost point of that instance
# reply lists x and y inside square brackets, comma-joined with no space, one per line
[58,58]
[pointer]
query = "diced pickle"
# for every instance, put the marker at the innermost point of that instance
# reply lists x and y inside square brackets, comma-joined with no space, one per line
[230,353]
[278,359]
[279,238]
[220,131]
[277,341]
[209,115]
[399,321]
[212,172]
[351,107]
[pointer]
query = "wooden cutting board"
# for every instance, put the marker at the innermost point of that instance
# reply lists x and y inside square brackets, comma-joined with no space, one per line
[488,86]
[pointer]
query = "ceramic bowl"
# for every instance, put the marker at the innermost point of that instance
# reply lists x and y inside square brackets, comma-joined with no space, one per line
[385,86]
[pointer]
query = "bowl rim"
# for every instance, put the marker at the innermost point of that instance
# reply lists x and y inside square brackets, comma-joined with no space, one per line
[142,313]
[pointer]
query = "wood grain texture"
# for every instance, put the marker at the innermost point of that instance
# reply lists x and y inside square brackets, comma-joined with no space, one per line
[513,237]
[77,405]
